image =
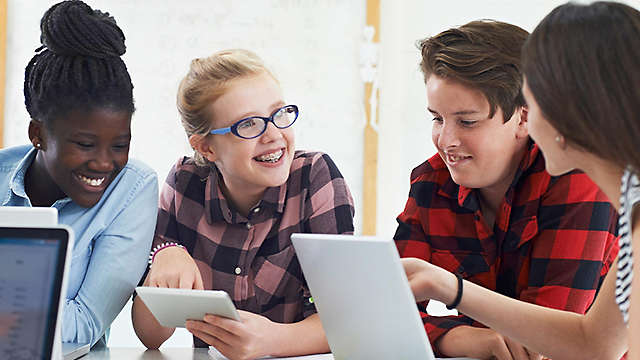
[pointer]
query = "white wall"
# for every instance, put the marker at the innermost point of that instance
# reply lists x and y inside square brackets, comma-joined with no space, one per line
[312,46]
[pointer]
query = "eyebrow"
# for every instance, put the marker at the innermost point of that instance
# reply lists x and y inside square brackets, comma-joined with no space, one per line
[461,112]
[275,106]
[93,136]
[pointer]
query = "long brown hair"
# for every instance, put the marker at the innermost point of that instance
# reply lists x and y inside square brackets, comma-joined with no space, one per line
[582,64]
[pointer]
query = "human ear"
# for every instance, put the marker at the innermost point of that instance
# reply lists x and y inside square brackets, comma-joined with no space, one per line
[522,117]
[200,144]
[37,134]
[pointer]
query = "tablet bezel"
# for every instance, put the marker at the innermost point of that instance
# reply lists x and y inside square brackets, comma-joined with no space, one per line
[173,307]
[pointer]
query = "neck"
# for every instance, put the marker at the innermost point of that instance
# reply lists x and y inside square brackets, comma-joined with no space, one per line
[241,198]
[39,186]
[492,196]
[606,175]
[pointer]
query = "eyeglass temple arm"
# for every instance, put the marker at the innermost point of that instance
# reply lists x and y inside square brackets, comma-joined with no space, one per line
[221,130]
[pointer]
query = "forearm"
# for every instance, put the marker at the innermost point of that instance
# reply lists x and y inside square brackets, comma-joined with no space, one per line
[554,333]
[301,338]
[147,328]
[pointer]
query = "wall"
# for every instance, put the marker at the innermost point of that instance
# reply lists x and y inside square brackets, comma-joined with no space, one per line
[313,47]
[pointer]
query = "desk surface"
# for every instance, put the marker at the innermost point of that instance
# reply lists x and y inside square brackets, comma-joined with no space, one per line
[171,354]
[175,354]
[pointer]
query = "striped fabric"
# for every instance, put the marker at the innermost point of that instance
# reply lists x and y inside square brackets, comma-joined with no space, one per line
[553,241]
[629,197]
[252,257]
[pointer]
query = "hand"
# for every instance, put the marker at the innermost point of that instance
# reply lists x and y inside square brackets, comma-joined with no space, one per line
[7,320]
[481,343]
[428,281]
[173,267]
[248,338]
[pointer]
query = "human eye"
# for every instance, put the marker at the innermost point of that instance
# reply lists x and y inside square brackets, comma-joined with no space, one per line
[437,119]
[247,123]
[83,144]
[468,123]
[121,146]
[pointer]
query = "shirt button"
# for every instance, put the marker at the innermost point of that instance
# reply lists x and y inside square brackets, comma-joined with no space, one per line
[256,210]
[238,271]
[249,225]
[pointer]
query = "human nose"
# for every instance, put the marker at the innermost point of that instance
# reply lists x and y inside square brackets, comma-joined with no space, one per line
[271,132]
[448,136]
[102,162]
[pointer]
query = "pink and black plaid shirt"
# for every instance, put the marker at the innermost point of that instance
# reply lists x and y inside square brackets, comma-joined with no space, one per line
[252,258]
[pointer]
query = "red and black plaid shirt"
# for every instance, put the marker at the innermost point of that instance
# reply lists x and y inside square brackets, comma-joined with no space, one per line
[252,258]
[553,241]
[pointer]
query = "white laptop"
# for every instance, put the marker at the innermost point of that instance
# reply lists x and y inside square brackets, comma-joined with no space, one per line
[363,297]
[32,244]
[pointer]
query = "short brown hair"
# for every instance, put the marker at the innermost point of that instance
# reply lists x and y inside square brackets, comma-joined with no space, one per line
[484,55]
[207,79]
[581,65]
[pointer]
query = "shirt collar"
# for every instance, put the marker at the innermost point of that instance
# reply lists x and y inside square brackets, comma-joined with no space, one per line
[16,182]
[219,209]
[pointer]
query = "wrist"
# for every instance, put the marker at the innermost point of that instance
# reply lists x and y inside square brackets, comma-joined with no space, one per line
[448,288]
[163,248]
[272,340]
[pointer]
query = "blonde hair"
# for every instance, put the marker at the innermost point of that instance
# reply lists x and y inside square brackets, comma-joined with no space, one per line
[208,78]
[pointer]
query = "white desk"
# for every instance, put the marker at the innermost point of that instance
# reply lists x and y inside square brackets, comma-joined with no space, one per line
[172,354]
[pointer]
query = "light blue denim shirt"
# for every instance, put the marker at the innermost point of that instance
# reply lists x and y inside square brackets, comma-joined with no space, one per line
[112,241]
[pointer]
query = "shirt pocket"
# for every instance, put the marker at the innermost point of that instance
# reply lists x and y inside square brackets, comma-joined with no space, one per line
[278,279]
[466,263]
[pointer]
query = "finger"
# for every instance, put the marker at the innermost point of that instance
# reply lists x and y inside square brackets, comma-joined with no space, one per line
[533,355]
[236,328]
[185,281]
[518,352]
[501,351]
[199,284]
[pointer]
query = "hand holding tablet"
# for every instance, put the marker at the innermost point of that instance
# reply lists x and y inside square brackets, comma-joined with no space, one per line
[173,307]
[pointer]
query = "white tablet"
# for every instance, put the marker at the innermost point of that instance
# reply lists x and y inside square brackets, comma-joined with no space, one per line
[173,307]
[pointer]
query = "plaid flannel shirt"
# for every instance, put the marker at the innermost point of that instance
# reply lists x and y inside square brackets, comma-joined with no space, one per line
[252,258]
[553,241]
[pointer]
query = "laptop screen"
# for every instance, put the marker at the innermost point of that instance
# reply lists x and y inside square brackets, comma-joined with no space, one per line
[31,272]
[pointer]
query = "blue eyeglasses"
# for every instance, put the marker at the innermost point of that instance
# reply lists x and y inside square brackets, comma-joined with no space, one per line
[254,126]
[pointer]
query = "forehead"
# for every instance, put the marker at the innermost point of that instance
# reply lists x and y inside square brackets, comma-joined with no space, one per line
[94,121]
[449,96]
[251,95]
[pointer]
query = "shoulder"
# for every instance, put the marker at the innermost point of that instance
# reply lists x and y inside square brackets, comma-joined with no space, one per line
[12,156]
[140,170]
[314,162]
[185,169]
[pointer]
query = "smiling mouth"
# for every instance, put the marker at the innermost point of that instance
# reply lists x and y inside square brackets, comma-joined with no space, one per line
[271,157]
[94,182]
[451,158]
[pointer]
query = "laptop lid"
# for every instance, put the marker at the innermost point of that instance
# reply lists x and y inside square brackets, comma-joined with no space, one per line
[33,262]
[24,216]
[363,297]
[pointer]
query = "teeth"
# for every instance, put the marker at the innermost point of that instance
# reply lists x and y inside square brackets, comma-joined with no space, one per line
[454,158]
[89,181]
[273,157]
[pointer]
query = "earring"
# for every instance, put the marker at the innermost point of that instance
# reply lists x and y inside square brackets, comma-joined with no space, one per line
[38,146]
[561,142]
